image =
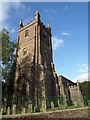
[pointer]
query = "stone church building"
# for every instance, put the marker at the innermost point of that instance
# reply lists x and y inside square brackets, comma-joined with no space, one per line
[36,81]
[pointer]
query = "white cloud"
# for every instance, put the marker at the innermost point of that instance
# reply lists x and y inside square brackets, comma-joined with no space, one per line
[65,34]
[85,75]
[6,7]
[57,42]
[83,68]
[3,12]
[11,0]
[82,77]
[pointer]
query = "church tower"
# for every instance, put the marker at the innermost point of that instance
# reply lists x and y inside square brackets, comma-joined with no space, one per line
[35,76]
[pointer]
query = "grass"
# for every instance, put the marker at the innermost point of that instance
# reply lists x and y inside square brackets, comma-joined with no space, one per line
[63,107]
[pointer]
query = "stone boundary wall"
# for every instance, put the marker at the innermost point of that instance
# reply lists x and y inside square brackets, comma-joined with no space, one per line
[77,114]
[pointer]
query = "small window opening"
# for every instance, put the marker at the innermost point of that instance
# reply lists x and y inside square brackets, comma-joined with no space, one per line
[24,51]
[26,33]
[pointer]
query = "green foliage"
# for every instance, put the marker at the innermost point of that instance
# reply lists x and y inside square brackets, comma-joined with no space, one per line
[37,109]
[10,84]
[86,88]
[8,47]
[8,66]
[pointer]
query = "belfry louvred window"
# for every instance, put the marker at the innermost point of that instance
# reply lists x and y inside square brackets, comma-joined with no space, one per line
[26,33]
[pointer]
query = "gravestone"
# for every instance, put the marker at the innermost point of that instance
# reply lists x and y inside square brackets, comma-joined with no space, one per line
[34,109]
[14,109]
[58,102]
[8,111]
[23,110]
[1,111]
[75,103]
[43,109]
[89,103]
[52,105]
[30,108]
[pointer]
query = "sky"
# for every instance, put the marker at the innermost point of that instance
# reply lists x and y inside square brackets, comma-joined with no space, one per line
[69,26]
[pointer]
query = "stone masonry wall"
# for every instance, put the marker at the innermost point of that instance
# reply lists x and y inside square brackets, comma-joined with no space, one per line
[73,113]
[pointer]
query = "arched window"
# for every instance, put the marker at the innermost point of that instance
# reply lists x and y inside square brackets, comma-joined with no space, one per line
[26,33]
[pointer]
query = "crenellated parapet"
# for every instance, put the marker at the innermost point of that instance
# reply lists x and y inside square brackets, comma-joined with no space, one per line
[71,91]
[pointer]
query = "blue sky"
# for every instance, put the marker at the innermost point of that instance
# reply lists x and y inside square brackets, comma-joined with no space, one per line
[69,24]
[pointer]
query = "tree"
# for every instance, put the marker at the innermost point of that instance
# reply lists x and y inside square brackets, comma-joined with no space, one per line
[86,88]
[7,63]
[8,47]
